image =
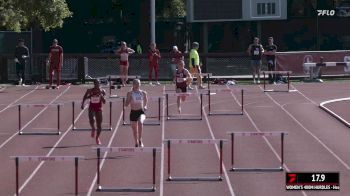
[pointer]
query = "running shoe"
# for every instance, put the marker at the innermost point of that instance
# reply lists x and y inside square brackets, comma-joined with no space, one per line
[150,83]
[254,81]
[201,87]
[190,88]
[98,141]
[141,144]
[93,133]
[157,83]
[258,81]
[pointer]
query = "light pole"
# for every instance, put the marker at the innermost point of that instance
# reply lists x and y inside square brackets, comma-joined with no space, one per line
[153,21]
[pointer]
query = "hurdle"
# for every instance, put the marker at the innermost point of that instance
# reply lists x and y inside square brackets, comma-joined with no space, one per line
[277,72]
[213,92]
[47,159]
[195,141]
[113,77]
[152,150]
[205,76]
[56,131]
[311,66]
[183,117]
[74,128]
[147,122]
[263,134]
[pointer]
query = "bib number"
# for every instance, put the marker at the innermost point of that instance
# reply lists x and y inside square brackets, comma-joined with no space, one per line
[95,99]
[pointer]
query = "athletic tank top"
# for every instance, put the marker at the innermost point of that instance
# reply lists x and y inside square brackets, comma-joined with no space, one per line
[95,100]
[256,52]
[179,76]
[124,54]
[137,97]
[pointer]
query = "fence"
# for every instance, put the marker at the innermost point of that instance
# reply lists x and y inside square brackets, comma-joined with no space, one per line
[77,66]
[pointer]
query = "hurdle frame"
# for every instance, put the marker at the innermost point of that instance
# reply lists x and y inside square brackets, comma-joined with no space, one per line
[153,188]
[158,122]
[211,113]
[172,117]
[21,132]
[263,134]
[49,158]
[89,129]
[276,72]
[195,141]
[110,82]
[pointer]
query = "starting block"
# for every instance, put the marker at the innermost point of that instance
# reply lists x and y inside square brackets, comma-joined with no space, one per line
[152,150]
[227,90]
[47,159]
[88,128]
[196,141]
[55,131]
[156,118]
[181,116]
[278,72]
[262,134]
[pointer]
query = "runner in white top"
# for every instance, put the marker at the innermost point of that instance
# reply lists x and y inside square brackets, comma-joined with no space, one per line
[124,52]
[137,99]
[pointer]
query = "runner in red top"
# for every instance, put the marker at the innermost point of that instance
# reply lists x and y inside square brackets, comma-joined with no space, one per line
[124,52]
[56,61]
[153,57]
[96,96]
[182,79]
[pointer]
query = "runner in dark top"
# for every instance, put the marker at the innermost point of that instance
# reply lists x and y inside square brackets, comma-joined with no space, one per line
[270,53]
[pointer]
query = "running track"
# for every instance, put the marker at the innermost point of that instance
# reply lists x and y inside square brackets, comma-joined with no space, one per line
[316,142]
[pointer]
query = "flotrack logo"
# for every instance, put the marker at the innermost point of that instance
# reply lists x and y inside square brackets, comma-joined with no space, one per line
[325,12]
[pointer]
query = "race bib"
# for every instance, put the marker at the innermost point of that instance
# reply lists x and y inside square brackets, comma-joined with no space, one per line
[256,52]
[180,80]
[95,99]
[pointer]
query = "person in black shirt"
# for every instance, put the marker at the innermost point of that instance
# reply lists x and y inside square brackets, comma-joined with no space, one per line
[255,51]
[21,54]
[270,54]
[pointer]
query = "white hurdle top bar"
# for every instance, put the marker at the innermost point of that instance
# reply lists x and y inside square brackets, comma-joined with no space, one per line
[40,105]
[127,149]
[195,141]
[275,133]
[45,158]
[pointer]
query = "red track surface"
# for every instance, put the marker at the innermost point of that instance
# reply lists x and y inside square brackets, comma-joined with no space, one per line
[315,142]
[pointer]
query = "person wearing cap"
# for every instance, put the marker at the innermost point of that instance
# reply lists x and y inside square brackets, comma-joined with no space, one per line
[97,98]
[176,56]
[153,57]
[137,99]
[124,52]
[55,61]
[21,54]
[195,65]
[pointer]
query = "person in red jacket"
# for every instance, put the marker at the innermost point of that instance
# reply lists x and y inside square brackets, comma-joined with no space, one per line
[55,61]
[153,57]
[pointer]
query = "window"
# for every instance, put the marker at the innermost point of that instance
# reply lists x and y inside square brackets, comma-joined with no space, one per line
[266,8]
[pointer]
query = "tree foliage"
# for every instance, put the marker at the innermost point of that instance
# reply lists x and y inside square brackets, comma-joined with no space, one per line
[17,15]
[171,8]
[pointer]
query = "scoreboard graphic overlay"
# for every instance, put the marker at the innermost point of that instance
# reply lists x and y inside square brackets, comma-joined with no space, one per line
[320,181]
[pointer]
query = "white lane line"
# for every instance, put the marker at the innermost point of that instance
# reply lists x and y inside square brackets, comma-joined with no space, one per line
[48,154]
[36,116]
[105,155]
[265,138]
[227,179]
[310,133]
[161,185]
[11,104]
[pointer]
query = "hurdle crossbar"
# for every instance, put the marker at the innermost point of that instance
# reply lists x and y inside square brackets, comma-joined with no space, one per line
[74,128]
[37,132]
[147,122]
[183,117]
[153,150]
[211,112]
[47,159]
[110,82]
[262,134]
[195,141]
[277,72]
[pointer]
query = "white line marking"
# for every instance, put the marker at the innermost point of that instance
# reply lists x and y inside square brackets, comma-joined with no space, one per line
[105,154]
[264,137]
[13,135]
[227,179]
[309,132]
[161,188]
[11,104]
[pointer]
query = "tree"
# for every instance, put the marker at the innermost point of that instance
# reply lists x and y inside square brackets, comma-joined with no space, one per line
[17,15]
[171,8]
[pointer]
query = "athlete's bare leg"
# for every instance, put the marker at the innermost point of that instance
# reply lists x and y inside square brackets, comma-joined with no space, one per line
[134,126]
